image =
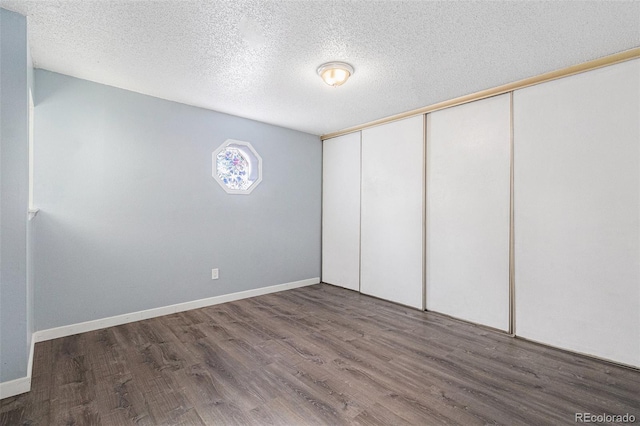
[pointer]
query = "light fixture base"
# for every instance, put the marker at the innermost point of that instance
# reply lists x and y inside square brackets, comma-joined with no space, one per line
[335,73]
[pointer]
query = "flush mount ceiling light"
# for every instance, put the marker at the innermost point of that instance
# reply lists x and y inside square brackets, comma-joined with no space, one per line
[335,73]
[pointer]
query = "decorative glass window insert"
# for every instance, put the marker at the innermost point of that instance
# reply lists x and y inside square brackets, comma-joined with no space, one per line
[237,167]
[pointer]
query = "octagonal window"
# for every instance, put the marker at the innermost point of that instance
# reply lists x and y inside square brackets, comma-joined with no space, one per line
[237,167]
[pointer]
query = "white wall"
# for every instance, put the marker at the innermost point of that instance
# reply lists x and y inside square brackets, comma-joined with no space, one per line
[577,212]
[341,211]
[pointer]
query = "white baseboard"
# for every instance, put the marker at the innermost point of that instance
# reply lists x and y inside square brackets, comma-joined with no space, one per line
[68,330]
[22,384]
[15,387]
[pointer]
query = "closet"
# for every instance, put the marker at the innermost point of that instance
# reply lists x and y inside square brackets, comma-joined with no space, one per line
[341,211]
[392,211]
[468,212]
[577,212]
[520,211]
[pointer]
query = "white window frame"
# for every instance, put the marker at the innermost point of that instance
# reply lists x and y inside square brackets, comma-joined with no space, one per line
[253,157]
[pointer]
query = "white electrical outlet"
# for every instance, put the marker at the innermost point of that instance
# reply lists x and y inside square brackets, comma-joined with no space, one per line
[214,274]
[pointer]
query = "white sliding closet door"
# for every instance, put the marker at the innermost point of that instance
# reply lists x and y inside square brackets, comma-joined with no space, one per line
[392,211]
[468,211]
[341,211]
[577,212]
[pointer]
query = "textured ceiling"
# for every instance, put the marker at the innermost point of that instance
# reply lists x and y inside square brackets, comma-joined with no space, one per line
[258,59]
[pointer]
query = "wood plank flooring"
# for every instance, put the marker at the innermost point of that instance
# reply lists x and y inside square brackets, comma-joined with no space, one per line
[317,355]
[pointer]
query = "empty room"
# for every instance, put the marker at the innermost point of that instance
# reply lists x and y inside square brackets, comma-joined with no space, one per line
[316,212]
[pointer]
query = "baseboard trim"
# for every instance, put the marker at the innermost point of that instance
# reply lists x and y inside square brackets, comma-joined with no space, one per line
[22,384]
[15,387]
[31,354]
[69,330]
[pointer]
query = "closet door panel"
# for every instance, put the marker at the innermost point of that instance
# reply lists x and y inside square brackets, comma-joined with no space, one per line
[392,211]
[577,212]
[468,211]
[341,211]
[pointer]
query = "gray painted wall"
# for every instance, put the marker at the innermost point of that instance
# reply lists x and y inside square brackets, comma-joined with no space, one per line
[30,223]
[14,194]
[131,218]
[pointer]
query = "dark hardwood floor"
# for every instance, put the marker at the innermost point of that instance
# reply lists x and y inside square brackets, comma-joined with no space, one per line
[316,355]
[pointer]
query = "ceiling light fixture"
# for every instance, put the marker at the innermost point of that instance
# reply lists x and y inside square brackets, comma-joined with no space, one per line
[335,73]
